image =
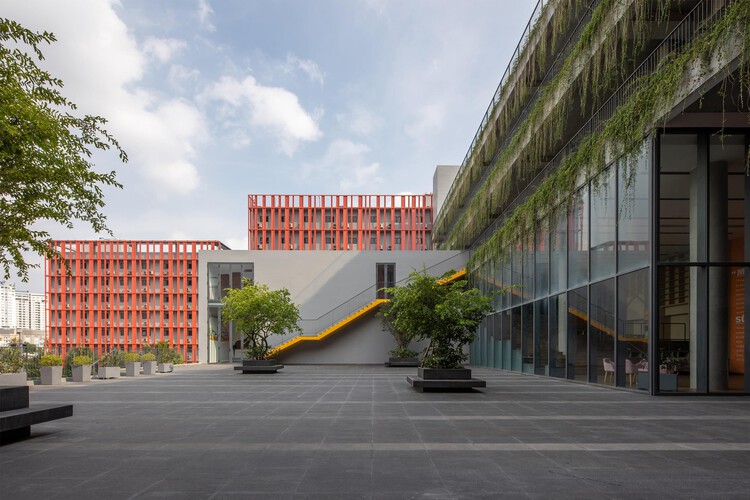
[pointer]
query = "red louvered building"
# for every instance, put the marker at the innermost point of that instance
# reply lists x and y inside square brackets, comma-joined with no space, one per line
[339,222]
[124,293]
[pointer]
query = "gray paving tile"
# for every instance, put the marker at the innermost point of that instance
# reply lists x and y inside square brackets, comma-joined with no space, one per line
[362,432]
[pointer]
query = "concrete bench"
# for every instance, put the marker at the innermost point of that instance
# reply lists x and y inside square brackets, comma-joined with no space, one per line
[17,417]
[259,366]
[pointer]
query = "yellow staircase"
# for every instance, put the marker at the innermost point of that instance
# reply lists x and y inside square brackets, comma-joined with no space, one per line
[372,306]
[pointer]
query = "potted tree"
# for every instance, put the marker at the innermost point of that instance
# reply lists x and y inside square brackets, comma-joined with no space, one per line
[10,367]
[446,315]
[109,364]
[401,355]
[132,364]
[259,312]
[81,368]
[50,369]
[148,361]
[668,372]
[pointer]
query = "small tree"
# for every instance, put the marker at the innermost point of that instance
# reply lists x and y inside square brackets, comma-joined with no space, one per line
[389,313]
[446,314]
[259,312]
[46,171]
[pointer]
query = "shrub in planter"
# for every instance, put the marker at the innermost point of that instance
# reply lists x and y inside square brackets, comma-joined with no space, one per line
[132,364]
[11,364]
[109,364]
[81,370]
[259,312]
[401,355]
[148,362]
[50,369]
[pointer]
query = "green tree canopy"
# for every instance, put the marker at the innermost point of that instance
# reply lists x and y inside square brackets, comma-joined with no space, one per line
[46,171]
[446,314]
[259,312]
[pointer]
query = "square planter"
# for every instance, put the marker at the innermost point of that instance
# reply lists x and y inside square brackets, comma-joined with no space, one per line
[12,379]
[439,379]
[444,373]
[132,368]
[109,372]
[51,375]
[165,367]
[404,362]
[259,366]
[82,373]
[149,367]
[668,382]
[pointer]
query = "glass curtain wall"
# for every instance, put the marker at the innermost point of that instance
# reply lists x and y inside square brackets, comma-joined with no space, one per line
[224,344]
[703,202]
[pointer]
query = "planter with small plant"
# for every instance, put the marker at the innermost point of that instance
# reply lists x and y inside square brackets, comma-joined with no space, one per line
[11,364]
[148,362]
[50,369]
[132,364]
[446,315]
[81,368]
[109,364]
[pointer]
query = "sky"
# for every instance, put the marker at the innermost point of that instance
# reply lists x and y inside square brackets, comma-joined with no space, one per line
[216,99]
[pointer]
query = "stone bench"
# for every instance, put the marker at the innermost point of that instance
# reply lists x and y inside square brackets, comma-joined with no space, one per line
[259,366]
[17,417]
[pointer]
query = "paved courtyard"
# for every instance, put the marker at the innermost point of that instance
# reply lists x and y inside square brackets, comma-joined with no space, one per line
[362,432]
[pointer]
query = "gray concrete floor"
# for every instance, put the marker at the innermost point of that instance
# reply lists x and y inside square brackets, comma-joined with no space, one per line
[363,432]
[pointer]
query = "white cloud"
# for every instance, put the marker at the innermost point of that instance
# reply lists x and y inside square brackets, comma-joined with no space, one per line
[204,12]
[162,49]
[359,120]
[179,75]
[429,118]
[346,159]
[309,67]
[101,64]
[270,108]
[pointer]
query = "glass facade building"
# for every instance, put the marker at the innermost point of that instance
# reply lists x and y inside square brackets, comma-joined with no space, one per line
[636,279]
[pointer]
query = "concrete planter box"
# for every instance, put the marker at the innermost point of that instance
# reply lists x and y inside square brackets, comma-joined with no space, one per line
[51,375]
[404,362]
[165,367]
[132,368]
[109,372]
[82,373]
[441,379]
[259,366]
[13,379]
[149,367]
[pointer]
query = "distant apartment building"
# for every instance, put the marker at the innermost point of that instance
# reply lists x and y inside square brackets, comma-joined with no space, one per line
[124,294]
[30,311]
[7,305]
[339,222]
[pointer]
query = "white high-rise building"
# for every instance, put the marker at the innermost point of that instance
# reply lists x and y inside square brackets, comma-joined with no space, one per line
[30,311]
[7,305]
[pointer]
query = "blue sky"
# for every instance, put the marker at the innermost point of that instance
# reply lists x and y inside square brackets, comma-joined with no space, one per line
[216,99]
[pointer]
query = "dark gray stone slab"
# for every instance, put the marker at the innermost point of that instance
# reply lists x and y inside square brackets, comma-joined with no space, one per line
[447,385]
[14,397]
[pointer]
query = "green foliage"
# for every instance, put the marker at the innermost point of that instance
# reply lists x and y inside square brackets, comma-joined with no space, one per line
[10,360]
[115,357]
[81,361]
[74,353]
[50,360]
[388,314]
[131,357]
[46,171]
[445,314]
[259,312]
[162,352]
[149,356]
[403,352]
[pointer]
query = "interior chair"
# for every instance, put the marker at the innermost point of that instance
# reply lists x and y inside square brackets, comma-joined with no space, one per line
[609,370]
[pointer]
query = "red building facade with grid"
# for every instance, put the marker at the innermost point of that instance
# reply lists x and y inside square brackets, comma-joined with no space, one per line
[124,293]
[339,222]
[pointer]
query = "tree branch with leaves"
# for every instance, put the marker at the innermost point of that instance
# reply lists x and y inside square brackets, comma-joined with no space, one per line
[46,171]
